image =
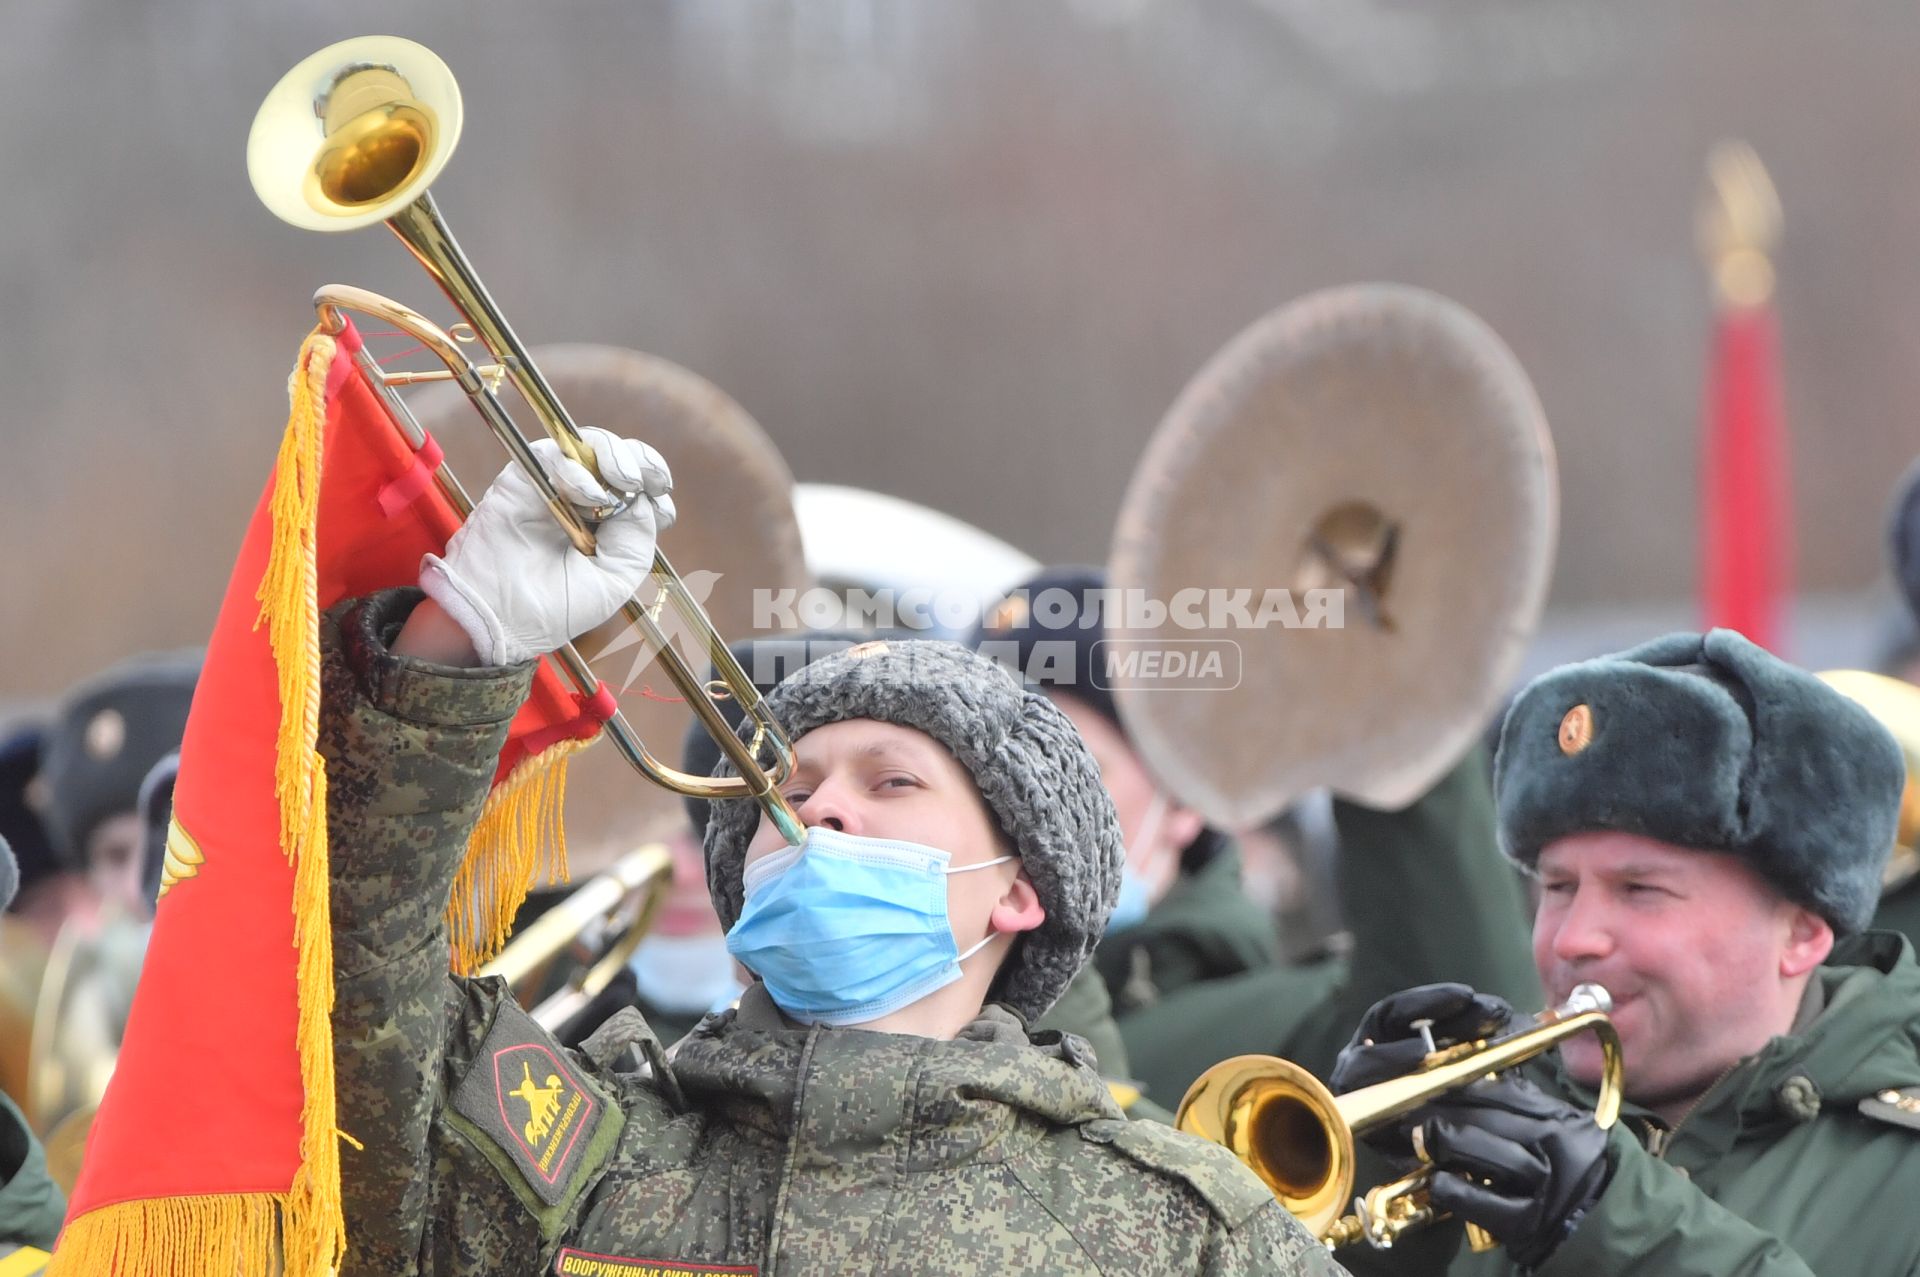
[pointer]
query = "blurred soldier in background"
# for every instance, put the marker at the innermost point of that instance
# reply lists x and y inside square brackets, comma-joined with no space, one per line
[108,734]
[1192,965]
[30,1206]
[1182,916]
[48,892]
[73,961]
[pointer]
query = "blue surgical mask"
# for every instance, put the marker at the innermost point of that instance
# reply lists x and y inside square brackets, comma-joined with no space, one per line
[1131,909]
[845,929]
[1136,899]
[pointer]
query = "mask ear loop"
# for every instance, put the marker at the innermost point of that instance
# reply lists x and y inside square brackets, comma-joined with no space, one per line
[964,869]
[1150,827]
[985,864]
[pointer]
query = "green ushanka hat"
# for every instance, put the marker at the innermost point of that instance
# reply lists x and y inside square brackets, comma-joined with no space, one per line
[1712,743]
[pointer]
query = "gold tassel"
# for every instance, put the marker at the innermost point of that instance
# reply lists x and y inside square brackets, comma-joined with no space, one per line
[315,1228]
[176,1237]
[518,837]
[302,1232]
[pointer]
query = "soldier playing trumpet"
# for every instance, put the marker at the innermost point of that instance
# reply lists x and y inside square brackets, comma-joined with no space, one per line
[1707,825]
[875,1100]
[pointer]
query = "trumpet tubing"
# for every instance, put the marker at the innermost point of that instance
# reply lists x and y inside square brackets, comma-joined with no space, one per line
[1299,1137]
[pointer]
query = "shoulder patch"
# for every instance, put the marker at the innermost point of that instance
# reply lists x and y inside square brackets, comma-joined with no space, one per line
[532,1103]
[1897,1108]
[1231,1191]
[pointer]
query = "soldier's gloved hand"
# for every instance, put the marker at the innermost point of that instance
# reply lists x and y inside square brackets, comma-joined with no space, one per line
[1388,1044]
[1523,1164]
[513,581]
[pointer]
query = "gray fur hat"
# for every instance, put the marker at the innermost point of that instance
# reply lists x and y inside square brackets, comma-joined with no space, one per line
[1712,743]
[1029,763]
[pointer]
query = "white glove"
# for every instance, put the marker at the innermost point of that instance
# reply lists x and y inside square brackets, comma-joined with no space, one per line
[513,581]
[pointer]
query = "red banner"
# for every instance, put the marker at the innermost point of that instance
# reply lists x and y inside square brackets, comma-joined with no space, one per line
[216,1135]
[1746,486]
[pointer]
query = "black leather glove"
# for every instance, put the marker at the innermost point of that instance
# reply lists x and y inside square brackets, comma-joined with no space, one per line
[1386,1045]
[1517,1161]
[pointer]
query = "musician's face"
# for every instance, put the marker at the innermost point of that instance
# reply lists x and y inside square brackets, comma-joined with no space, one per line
[1154,828]
[881,780]
[115,850]
[1704,959]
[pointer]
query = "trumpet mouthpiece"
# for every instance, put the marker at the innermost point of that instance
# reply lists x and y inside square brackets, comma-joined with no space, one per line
[1587,997]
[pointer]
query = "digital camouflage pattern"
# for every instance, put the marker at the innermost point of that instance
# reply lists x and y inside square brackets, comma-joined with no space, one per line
[771,1148]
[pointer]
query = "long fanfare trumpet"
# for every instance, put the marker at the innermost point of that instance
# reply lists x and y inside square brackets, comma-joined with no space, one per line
[354,135]
[1298,1136]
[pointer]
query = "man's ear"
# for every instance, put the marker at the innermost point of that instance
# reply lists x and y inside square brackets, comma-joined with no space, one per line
[1183,826]
[1808,942]
[1019,908]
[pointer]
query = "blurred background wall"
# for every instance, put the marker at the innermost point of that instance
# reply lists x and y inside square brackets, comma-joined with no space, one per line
[962,252]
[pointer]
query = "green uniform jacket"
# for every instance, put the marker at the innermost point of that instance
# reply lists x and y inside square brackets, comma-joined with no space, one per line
[31,1207]
[1427,896]
[486,1148]
[1900,911]
[1790,1165]
[1204,928]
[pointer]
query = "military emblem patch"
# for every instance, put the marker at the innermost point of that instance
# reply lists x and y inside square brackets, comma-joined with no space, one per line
[1576,730]
[579,1263]
[531,1101]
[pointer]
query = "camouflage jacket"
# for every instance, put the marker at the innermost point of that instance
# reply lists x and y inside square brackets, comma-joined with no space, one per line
[761,1148]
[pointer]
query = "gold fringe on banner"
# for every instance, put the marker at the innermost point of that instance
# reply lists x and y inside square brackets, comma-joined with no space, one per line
[214,1233]
[301,1232]
[315,1231]
[518,838]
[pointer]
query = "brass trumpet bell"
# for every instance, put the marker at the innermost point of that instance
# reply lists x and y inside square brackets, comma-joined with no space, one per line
[389,118]
[1284,1125]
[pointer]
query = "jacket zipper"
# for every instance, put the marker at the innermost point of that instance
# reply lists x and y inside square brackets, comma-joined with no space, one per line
[1659,1141]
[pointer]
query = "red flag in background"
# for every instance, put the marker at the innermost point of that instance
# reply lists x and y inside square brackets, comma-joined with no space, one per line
[214,1150]
[1745,466]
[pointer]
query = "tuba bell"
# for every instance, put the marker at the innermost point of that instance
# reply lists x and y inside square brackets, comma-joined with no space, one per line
[1298,1136]
[1377,447]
